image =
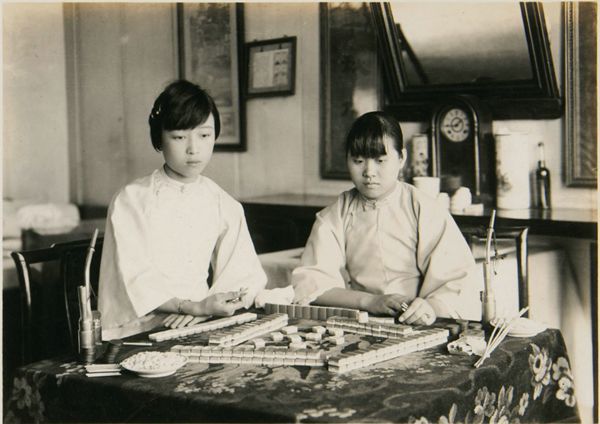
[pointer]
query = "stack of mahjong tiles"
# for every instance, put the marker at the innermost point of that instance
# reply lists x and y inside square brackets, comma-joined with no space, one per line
[238,335]
[250,354]
[301,348]
[392,331]
[402,340]
[317,313]
[203,327]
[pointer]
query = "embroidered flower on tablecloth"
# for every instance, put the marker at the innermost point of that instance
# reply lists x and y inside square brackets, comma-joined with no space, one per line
[451,416]
[37,407]
[323,411]
[498,418]
[485,402]
[21,393]
[540,366]
[489,407]
[560,368]
[566,391]
[25,404]
[523,403]
[505,398]
[561,372]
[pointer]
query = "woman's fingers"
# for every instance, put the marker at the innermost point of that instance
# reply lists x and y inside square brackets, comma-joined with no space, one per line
[169,320]
[177,322]
[186,320]
[419,312]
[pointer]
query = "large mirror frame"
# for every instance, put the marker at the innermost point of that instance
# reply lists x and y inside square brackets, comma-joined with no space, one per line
[537,98]
[581,147]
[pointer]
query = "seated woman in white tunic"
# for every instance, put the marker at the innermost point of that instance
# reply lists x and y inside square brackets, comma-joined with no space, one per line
[164,230]
[385,243]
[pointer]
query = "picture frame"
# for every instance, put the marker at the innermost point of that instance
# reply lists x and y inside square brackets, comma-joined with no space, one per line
[580,94]
[210,39]
[350,81]
[271,67]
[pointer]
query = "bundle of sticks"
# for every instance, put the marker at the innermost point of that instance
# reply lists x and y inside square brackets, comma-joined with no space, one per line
[501,329]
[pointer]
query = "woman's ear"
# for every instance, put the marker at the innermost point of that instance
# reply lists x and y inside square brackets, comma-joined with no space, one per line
[403,156]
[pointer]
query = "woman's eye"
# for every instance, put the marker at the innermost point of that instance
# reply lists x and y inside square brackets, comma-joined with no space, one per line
[357,161]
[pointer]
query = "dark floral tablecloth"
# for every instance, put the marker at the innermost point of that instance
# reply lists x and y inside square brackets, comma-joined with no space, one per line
[525,380]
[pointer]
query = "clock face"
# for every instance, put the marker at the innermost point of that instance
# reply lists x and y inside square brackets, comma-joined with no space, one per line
[455,125]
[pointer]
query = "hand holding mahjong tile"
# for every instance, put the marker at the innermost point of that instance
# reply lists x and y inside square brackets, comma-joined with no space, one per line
[419,312]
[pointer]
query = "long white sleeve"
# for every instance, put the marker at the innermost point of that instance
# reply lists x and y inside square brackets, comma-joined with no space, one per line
[323,260]
[446,262]
[235,263]
[130,284]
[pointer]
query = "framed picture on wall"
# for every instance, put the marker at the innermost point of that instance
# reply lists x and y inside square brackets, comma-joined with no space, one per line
[210,42]
[350,78]
[271,67]
[581,102]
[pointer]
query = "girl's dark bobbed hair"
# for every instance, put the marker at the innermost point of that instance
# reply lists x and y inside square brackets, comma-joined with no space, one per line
[365,137]
[181,106]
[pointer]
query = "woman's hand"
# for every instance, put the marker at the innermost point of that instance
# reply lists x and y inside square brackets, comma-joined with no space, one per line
[385,304]
[218,304]
[419,312]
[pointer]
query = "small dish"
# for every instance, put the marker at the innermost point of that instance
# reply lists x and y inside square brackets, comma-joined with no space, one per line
[154,364]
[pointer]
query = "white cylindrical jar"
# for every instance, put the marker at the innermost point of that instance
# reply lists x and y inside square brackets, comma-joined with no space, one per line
[512,171]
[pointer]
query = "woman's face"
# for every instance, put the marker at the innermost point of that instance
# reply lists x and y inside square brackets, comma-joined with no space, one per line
[375,178]
[187,152]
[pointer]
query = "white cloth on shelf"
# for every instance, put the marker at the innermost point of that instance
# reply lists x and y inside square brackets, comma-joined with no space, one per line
[161,235]
[405,243]
[48,217]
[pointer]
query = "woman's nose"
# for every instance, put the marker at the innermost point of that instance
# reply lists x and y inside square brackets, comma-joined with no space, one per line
[193,146]
[369,169]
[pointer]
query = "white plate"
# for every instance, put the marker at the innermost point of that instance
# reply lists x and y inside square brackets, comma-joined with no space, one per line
[153,374]
[154,364]
[530,334]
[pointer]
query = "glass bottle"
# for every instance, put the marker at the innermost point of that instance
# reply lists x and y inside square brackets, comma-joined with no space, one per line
[542,176]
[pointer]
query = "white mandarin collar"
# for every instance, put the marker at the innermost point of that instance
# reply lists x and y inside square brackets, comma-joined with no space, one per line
[164,181]
[368,204]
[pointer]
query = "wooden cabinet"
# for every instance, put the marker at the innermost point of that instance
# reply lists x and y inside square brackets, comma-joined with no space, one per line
[284,221]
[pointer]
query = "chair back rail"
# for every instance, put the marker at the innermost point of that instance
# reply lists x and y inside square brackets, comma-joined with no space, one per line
[519,234]
[62,271]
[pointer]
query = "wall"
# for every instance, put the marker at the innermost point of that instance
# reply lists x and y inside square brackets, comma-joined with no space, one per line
[119,63]
[34,104]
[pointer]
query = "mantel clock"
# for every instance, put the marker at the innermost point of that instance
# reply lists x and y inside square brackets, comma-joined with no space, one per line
[462,147]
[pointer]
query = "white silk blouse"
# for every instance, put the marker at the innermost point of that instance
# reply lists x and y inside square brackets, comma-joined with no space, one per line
[161,236]
[405,243]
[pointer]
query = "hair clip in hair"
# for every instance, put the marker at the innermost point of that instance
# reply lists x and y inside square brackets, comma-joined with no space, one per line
[155,112]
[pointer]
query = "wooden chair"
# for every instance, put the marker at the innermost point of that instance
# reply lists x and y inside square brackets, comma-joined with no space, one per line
[49,305]
[43,325]
[519,236]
